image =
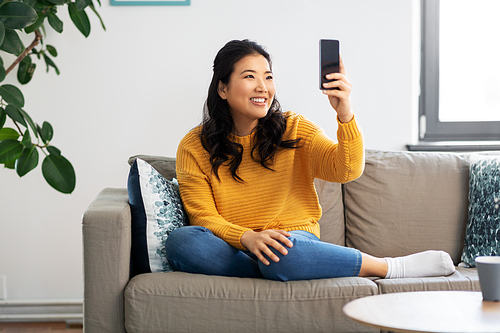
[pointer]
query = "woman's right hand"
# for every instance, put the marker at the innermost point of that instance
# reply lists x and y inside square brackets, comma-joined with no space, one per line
[258,243]
[340,98]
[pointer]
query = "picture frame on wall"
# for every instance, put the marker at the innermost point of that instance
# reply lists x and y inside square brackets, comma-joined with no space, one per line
[150,2]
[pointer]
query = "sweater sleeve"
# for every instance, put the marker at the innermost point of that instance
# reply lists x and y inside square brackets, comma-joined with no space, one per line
[342,162]
[198,199]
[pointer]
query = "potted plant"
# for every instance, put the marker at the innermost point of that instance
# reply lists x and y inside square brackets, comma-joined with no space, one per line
[20,144]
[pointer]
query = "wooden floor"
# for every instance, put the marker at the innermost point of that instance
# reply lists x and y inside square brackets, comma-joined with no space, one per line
[43,327]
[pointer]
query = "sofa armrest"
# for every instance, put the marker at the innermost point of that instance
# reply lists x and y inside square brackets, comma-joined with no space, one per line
[106,256]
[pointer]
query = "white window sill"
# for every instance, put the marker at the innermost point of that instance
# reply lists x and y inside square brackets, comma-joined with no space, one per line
[455,146]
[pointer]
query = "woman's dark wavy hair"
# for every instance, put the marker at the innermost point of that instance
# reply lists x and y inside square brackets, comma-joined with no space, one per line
[217,122]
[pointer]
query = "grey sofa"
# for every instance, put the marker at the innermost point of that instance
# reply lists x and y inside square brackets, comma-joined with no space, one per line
[404,202]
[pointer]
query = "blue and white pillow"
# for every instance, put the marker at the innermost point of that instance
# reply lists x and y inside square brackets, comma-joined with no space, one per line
[157,210]
[482,237]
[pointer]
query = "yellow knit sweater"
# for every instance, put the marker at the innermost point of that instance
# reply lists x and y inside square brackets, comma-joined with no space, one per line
[281,199]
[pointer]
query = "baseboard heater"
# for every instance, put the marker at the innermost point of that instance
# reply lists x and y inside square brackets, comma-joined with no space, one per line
[70,311]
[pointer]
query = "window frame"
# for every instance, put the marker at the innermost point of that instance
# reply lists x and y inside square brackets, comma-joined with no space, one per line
[431,129]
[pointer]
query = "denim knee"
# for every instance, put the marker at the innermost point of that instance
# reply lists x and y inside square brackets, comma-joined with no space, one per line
[180,242]
[284,269]
[310,258]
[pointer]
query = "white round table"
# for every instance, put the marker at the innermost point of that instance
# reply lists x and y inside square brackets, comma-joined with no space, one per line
[427,311]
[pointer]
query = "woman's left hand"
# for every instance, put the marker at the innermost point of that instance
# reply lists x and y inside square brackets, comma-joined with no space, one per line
[340,99]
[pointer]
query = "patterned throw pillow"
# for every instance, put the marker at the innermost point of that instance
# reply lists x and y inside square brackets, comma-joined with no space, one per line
[157,210]
[482,237]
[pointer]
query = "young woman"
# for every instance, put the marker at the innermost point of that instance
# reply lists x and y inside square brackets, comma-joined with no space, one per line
[246,181]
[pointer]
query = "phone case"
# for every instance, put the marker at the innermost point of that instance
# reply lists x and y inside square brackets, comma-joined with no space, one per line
[329,60]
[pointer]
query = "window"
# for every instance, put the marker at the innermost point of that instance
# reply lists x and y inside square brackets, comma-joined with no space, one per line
[460,74]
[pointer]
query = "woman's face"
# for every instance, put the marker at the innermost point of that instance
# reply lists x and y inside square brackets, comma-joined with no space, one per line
[249,93]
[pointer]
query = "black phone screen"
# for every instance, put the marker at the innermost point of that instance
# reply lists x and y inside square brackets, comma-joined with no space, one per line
[329,59]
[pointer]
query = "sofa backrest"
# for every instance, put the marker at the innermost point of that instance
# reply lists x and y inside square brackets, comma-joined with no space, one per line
[164,165]
[407,202]
[332,226]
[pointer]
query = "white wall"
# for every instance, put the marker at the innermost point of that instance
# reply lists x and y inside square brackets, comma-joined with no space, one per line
[140,86]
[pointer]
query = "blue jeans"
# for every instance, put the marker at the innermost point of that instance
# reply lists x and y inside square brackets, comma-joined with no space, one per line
[195,249]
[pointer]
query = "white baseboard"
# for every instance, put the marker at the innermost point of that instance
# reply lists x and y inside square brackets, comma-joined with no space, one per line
[42,310]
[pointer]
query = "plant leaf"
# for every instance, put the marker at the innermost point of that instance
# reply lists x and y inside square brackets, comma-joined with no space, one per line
[52,50]
[47,132]
[10,150]
[43,33]
[55,22]
[12,95]
[99,16]
[39,5]
[39,130]
[82,4]
[38,23]
[31,3]
[12,43]
[10,165]
[30,121]
[50,63]
[35,52]
[79,18]
[54,151]
[3,117]
[3,73]
[17,15]
[57,2]
[27,161]
[14,114]
[8,133]
[2,33]
[59,173]
[25,70]
[26,141]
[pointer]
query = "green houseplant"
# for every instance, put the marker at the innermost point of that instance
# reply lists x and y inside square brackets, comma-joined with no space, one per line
[20,144]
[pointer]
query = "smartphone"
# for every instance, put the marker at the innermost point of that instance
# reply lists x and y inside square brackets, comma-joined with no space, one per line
[329,50]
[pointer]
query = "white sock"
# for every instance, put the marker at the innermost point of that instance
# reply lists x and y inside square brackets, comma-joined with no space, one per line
[422,264]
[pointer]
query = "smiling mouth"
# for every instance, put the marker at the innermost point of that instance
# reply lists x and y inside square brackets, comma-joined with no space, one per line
[258,100]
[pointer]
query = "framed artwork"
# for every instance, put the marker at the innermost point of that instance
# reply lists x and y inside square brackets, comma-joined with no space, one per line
[150,2]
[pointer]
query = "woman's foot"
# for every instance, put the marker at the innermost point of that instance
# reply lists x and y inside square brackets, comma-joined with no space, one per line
[422,264]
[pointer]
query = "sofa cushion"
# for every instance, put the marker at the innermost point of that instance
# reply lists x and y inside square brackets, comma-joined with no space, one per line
[157,210]
[332,226]
[183,302]
[465,279]
[482,236]
[407,202]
